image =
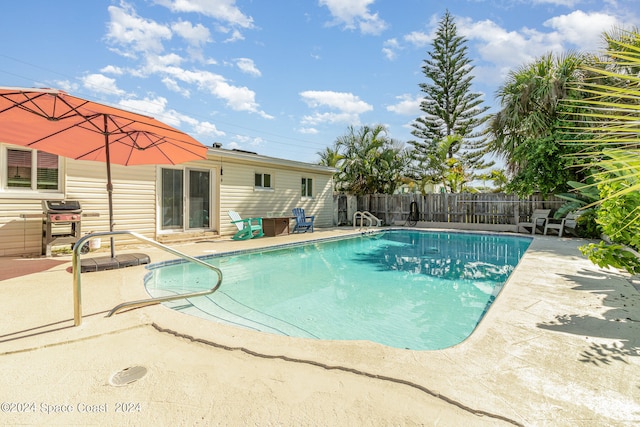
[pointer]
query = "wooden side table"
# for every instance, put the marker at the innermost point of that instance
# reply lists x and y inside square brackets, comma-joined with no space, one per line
[276,226]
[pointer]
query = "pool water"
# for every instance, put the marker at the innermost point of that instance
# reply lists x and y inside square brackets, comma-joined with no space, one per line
[406,289]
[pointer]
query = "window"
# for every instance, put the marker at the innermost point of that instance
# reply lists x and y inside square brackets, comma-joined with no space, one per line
[262,180]
[32,170]
[307,187]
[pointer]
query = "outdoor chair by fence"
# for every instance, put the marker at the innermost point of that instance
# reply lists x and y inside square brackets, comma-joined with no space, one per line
[569,222]
[303,222]
[248,228]
[539,218]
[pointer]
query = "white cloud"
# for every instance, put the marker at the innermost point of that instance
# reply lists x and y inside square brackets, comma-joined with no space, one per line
[257,141]
[65,85]
[237,98]
[156,107]
[173,85]
[247,66]
[581,29]
[101,84]
[223,10]
[409,105]
[143,36]
[343,101]
[194,35]
[132,32]
[150,106]
[158,62]
[332,118]
[355,14]
[418,38]
[207,129]
[389,48]
[244,140]
[348,106]
[235,36]
[499,46]
[501,50]
[112,69]
[308,131]
[372,24]
[568,3]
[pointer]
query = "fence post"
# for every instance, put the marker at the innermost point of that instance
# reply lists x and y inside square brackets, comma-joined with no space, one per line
[386,209]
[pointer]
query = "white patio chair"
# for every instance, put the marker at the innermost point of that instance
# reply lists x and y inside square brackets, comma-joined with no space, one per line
[569,222]
[539,217]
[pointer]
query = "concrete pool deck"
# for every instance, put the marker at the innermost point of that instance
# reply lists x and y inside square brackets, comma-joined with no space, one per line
[560,346]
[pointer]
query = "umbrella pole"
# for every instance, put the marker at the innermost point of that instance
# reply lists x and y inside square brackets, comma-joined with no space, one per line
[109,184]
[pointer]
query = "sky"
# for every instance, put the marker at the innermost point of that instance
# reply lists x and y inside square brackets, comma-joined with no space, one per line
[282,78]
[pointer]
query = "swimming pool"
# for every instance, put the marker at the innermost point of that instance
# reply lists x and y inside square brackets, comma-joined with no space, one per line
[402,288]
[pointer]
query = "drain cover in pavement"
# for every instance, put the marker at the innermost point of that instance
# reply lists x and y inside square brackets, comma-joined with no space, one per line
[128,375]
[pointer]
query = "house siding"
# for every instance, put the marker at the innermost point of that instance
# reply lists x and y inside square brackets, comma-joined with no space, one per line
[237,192]
[18,235]
[135,198]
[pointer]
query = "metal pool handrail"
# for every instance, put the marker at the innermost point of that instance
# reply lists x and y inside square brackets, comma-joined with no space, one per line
[365,215]
[77,283]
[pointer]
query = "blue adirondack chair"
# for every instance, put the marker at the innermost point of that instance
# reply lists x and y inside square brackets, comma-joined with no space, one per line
[248,228]
[303,222]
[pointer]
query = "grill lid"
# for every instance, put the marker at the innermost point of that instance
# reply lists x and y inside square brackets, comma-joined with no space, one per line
[68,206]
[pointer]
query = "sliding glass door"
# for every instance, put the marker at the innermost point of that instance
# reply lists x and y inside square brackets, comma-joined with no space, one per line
[199,199]
[172,199]
[185,199]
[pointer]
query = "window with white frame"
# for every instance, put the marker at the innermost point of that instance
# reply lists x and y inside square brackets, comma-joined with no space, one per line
[30,170]
[263,181]
[307,187]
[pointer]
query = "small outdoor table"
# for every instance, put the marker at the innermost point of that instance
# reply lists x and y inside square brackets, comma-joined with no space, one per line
[276,226]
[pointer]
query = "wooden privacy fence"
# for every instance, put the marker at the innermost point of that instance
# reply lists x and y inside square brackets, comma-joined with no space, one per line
[461,208]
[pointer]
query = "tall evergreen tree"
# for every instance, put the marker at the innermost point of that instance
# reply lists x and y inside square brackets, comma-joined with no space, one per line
[451,109]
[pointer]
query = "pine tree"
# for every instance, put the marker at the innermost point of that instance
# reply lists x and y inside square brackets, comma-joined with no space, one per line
[451,109]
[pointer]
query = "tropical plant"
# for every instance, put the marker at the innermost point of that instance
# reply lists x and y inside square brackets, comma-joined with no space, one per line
[611,108]
[438,167]
[499,180]
[582,198]
[371,161]
[330,157]
[526,131]
[497,177]
[450,108]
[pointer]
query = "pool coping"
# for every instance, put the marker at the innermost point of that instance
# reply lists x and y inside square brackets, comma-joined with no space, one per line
[559,346]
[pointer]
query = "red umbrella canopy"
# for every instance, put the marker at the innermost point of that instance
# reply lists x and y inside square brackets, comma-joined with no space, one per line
[58,123]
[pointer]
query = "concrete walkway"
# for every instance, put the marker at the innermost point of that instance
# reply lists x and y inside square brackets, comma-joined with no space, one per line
[559,347]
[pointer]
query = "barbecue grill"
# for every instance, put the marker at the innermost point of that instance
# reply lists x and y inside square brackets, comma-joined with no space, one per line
[61,223]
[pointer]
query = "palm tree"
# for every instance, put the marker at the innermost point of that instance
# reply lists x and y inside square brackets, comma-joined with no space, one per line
[438,167]
[372,162]
[529,99]
[526,130]
[330,157]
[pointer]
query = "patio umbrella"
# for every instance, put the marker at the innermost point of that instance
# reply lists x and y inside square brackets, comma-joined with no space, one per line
[58,123]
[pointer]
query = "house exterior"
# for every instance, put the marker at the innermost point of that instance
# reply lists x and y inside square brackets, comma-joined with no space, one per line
[166,203]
